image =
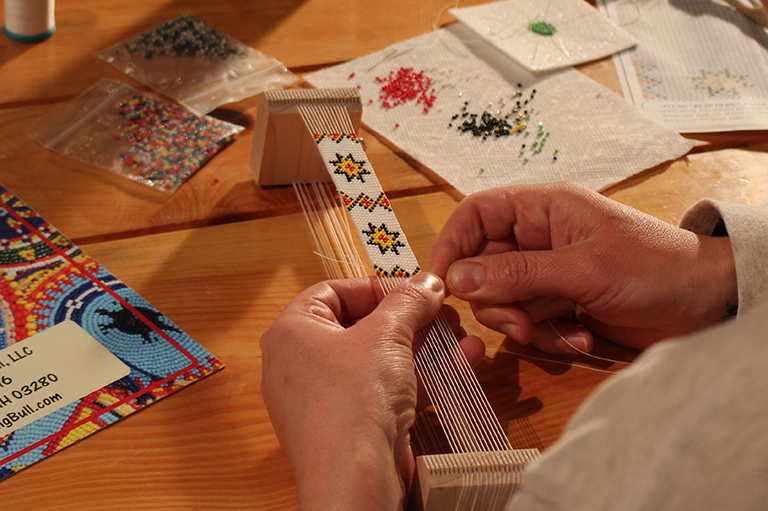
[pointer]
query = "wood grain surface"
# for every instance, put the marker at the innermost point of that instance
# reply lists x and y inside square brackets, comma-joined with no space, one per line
[211,446]
[222,256]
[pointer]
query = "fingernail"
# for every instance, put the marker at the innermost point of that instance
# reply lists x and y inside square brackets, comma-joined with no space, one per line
[429,281]
[511,330]
[577,342]
[466,277]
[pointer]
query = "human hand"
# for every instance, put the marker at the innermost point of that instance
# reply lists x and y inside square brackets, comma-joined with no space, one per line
[526,254]
[339,383]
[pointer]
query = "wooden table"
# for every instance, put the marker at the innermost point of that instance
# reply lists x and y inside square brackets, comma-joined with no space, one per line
[222,256]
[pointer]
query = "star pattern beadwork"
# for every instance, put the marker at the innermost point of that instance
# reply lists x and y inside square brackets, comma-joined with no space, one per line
[396,272]
[368,206]
[383,202]
[383,239]
[348,167]
[366,202]
[336,137]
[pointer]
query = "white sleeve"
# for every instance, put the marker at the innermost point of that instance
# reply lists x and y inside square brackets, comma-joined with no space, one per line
[747,228]
[685,427]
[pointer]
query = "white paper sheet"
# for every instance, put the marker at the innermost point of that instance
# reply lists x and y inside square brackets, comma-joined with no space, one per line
[597,137]
[582,33]
[700,65]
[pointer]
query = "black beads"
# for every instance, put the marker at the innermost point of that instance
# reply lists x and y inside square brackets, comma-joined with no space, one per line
[484,125]
[185,36]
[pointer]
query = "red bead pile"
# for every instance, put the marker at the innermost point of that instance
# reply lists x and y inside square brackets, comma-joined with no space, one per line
[405,86]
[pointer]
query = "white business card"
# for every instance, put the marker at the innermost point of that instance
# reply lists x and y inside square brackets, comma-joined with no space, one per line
[50,370]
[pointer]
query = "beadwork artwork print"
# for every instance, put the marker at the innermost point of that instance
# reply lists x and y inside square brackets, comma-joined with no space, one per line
[200,66]
[118,128]
[469,113]
[700,66]
[45,280]
[370,210]
[544,35]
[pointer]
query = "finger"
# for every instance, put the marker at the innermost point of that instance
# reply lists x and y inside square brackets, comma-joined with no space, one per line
[517,320]
[484,216]
[510,320]
[492,247]
[408,308]
[517,276]
[552,336]
[474,351]
[637,338]
[453,318]
[515,215]
[335,301]
[461,236]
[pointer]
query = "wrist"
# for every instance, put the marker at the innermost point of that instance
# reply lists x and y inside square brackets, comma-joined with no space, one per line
[718,277]
[352,471]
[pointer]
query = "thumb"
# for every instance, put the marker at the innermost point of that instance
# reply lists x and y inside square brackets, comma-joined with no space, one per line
[515,276]
[409,307]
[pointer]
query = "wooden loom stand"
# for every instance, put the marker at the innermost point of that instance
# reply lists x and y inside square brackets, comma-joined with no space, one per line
[284,152]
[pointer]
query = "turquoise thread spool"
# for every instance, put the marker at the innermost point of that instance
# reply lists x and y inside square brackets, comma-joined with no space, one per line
[29,21]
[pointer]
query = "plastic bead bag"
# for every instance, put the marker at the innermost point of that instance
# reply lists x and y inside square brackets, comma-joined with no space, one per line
[118,128]
[201,67]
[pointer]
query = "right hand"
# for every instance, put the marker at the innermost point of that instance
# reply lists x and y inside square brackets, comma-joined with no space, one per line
[338,380]
[523,255]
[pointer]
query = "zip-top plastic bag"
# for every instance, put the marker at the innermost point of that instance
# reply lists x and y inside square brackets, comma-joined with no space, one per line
[201,67]
[118,128]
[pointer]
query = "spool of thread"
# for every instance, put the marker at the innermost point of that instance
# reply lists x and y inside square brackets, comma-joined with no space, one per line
[29,21]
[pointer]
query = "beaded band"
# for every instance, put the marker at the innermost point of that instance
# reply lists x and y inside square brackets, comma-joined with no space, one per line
[377,226]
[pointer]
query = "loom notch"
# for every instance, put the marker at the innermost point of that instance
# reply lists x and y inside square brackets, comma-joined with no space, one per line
[283,151]
[466,481]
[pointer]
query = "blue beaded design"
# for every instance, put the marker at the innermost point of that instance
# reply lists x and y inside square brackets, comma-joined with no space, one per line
[45,279]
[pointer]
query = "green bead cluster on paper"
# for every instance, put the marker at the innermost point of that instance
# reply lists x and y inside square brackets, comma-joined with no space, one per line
[543,28]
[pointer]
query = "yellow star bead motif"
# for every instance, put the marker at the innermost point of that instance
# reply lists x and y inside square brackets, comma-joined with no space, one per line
[349,168]
[383,239]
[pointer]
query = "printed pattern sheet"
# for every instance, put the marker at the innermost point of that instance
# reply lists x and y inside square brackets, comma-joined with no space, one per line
[700,65]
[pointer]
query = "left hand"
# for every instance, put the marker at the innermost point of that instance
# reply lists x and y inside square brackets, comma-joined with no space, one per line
[525,255]
[342,398]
